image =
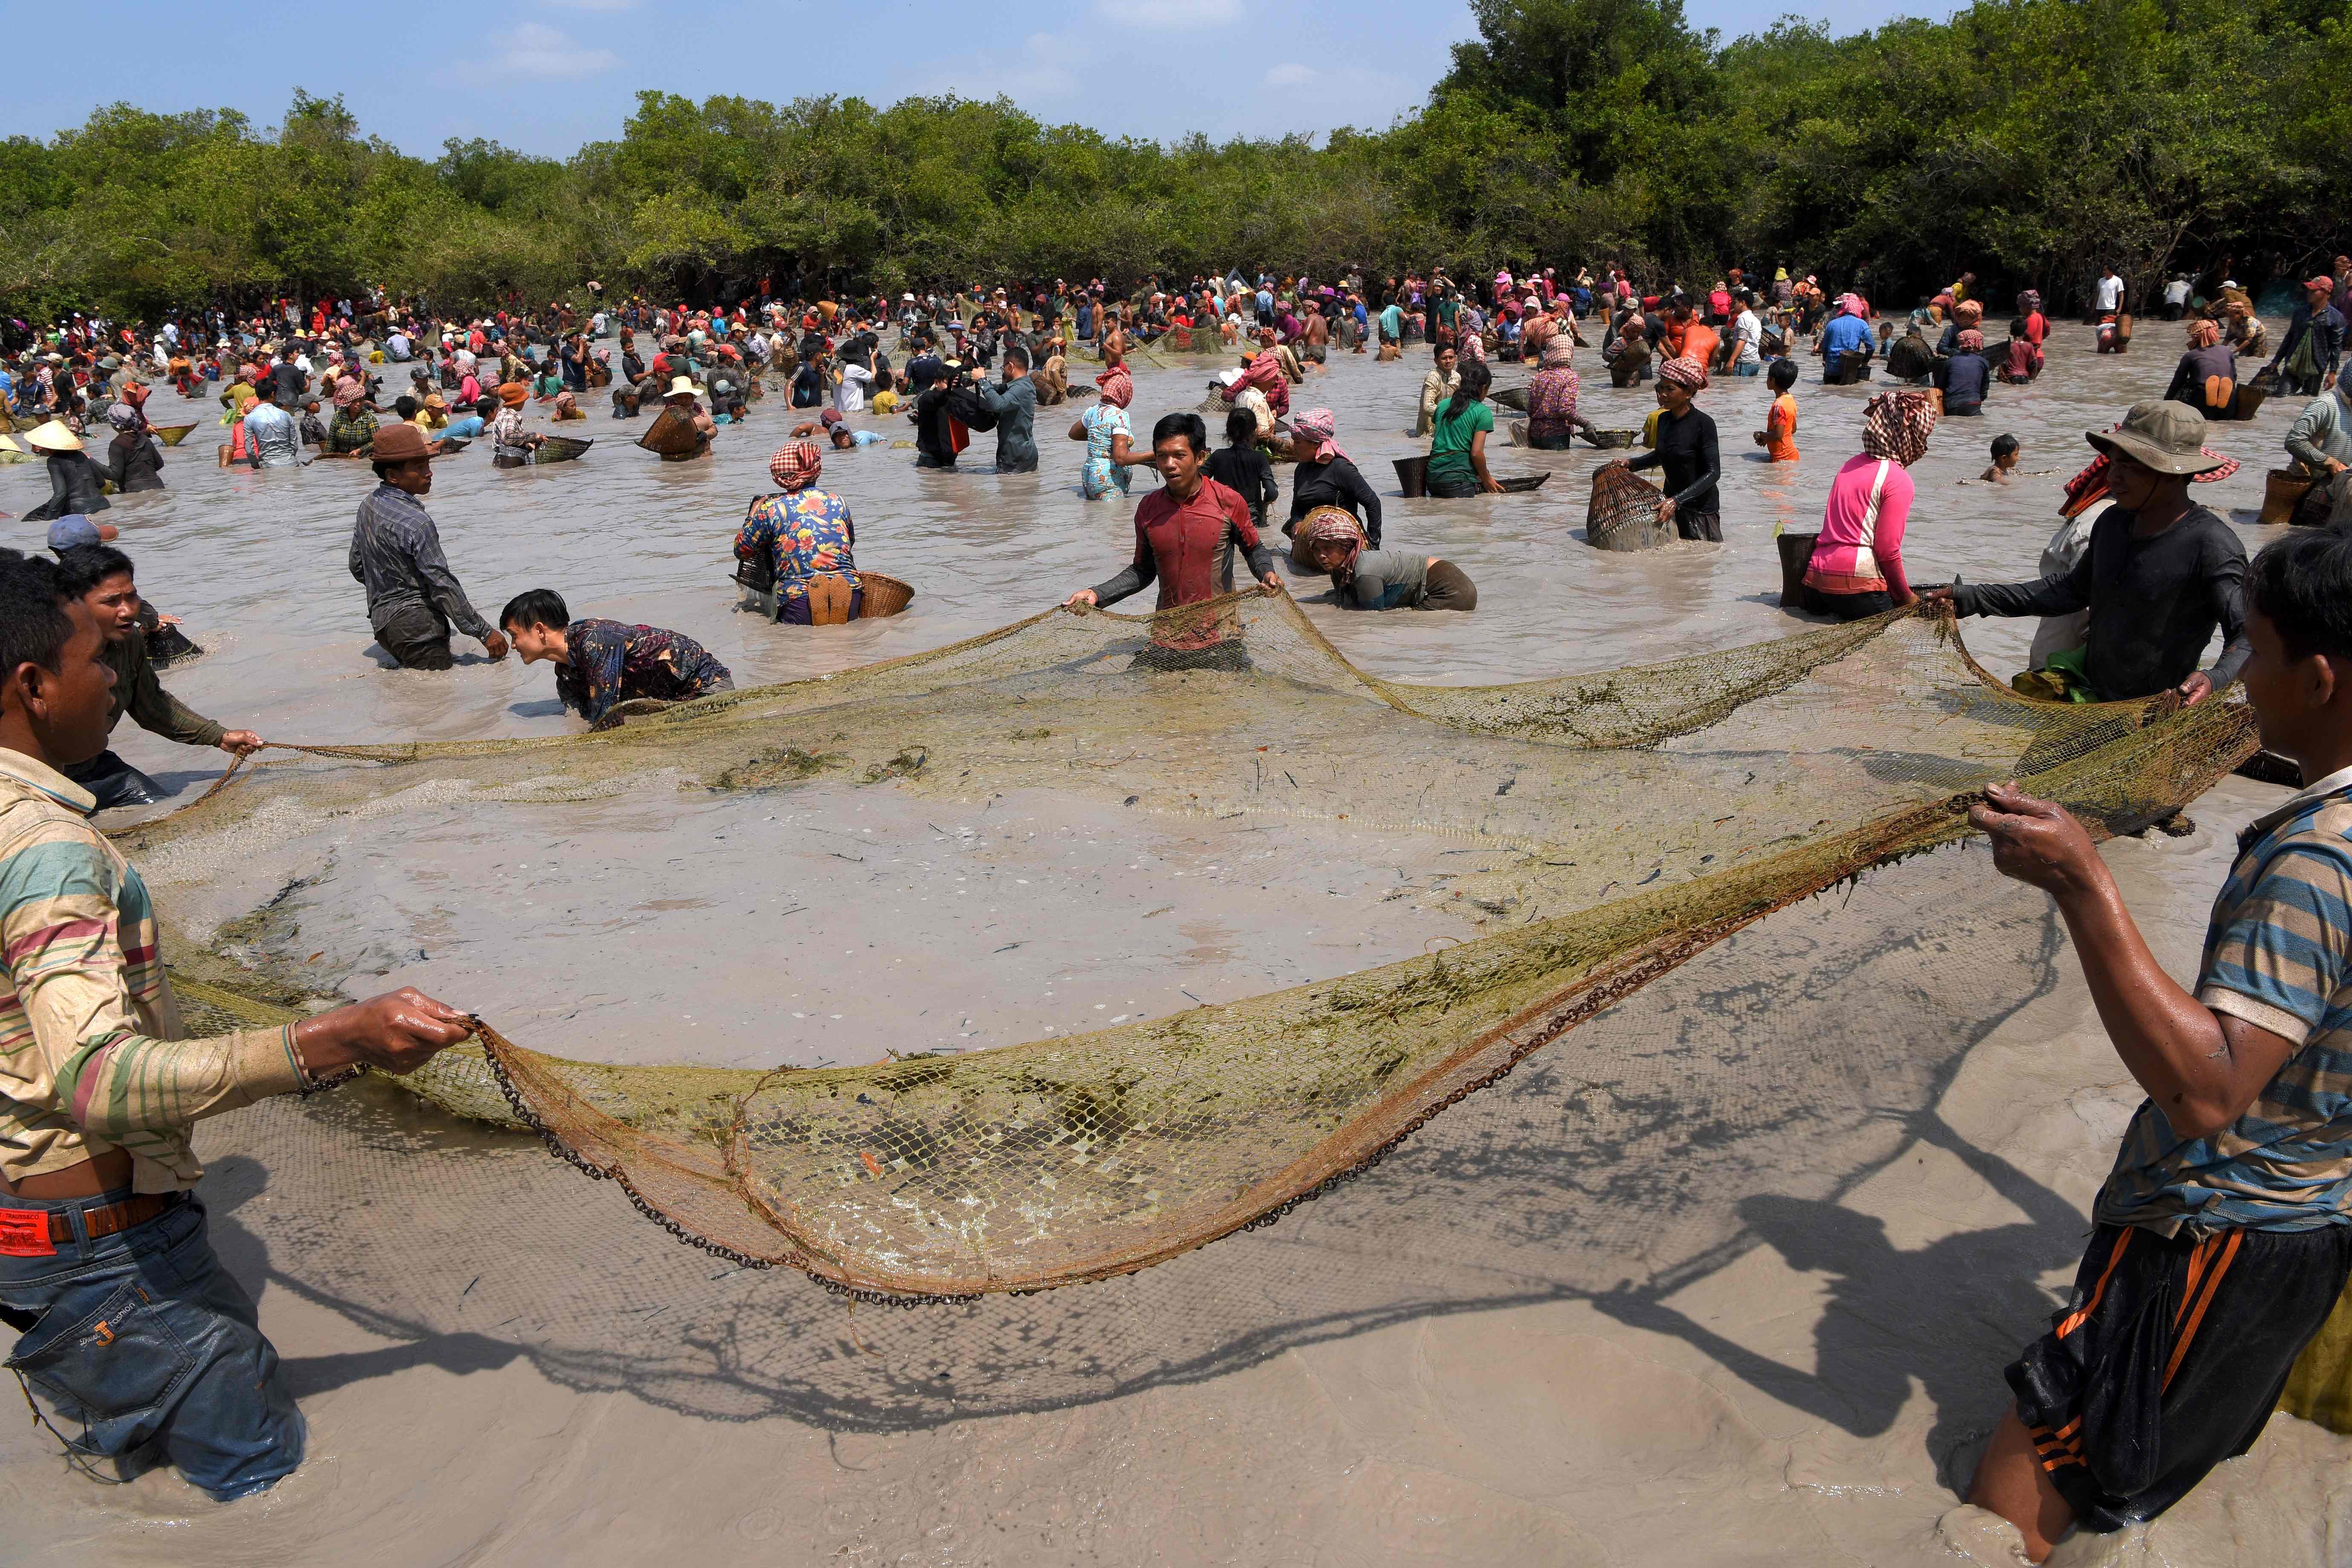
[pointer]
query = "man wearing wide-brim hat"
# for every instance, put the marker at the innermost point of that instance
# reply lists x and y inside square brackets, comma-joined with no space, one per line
[2161,574]
[413,598]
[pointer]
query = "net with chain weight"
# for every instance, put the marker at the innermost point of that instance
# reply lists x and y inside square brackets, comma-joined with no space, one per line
[1639,814]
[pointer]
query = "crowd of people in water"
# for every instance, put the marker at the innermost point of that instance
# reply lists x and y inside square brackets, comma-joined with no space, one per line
[2233,1178]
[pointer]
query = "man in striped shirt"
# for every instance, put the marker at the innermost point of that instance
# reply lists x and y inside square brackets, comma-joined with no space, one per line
[2224,1232]
[129,1329]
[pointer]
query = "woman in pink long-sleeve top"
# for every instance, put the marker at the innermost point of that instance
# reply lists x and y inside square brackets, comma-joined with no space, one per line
[1856,568]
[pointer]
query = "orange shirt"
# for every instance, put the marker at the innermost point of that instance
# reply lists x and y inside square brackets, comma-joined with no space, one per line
[1699,342]
[1780,424]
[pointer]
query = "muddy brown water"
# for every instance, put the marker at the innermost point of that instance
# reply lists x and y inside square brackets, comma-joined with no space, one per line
[1644,1301]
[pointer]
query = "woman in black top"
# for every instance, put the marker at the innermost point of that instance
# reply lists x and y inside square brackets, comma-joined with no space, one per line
[1686,450]
[1241,468]
[1327,476]
[73,478]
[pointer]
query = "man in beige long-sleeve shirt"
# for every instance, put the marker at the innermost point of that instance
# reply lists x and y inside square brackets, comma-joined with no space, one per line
[129,1327]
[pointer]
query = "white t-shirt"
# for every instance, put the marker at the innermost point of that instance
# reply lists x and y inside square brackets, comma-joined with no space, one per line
[2177,292]
[1748,332]
[849,397]
[2110,293]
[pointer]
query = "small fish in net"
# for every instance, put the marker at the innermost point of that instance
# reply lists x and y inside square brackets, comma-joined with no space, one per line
[1623,512]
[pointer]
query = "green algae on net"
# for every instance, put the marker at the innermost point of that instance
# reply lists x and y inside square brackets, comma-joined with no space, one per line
[1645,813]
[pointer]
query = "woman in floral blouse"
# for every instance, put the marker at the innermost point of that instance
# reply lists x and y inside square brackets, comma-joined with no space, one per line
[800,541]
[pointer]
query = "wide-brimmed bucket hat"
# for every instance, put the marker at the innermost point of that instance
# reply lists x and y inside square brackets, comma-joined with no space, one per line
[2165,436]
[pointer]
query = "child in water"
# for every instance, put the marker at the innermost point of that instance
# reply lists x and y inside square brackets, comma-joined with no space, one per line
[2004,461]
[1778,436]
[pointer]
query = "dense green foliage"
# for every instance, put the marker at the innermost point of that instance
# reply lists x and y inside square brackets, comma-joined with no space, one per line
[2029,139]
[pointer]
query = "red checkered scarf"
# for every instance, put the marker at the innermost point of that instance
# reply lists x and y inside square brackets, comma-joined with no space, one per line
[796,467]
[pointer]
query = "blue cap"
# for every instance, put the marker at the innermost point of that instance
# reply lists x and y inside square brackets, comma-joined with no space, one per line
[71,530]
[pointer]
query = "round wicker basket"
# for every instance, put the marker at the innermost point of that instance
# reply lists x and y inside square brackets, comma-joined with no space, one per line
[884,594]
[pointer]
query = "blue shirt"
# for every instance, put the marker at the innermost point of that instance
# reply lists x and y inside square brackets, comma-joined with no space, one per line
[1847,333]
[464,429]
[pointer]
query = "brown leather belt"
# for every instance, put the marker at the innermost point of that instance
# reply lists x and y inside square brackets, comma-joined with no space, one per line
[107,1219]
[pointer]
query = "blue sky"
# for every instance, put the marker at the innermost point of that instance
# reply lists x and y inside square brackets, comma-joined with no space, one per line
[548,74]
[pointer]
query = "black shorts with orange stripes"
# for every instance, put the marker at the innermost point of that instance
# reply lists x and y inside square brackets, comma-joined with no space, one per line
[2168,1359]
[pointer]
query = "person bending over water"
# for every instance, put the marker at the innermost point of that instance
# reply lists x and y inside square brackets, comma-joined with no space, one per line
[601,664]
[1365,579]
[102,1090]
[2218,1245]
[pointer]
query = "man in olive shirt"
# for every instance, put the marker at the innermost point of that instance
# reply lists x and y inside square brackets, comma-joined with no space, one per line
[101,576]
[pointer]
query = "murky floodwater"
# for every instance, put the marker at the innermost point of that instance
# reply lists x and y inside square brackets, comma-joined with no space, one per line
[1528,1336]
[1025,917]
[255,562]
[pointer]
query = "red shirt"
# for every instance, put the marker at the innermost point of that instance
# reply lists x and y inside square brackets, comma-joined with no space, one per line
[1188,546]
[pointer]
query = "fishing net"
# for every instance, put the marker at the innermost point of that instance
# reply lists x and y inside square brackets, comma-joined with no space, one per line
[1629,819]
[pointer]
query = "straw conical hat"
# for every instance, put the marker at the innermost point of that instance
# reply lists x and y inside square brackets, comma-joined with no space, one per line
[53,437]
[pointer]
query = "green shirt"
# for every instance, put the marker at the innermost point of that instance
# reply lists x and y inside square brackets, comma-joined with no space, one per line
[1449,443]
[352,430]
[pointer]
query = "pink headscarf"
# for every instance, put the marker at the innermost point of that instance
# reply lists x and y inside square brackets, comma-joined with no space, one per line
[796,467]
[1265,373]
[1117,386]
[1319,426]
[1852,305]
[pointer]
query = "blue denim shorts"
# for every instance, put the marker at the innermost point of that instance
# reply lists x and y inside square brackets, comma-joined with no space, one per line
[142,1338]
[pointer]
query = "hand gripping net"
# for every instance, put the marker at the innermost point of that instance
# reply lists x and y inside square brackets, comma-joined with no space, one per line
[1645,813]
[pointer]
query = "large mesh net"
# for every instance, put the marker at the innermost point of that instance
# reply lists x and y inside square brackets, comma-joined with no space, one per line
[1628,819]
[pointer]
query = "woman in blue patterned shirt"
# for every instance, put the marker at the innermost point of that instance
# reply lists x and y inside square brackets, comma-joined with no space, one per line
[800,544]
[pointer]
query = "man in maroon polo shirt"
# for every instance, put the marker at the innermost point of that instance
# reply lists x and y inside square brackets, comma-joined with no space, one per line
[1186,535]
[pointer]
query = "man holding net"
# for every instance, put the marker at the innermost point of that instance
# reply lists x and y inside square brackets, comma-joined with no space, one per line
[2224,1232]
[129,1328]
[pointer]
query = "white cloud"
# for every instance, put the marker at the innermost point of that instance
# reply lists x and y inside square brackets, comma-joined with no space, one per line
[538,50]
[1291,75]
[1170,13]
[1044,68]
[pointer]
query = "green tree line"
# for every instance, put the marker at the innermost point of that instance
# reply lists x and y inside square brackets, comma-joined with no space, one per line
[2027,140]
